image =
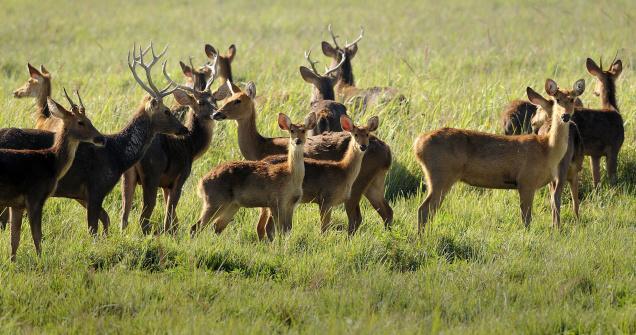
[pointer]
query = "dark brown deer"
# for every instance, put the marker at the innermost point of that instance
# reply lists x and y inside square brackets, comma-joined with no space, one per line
[328,183]
[95,171]
[327,146]
[277,187]
[523,162]
[323,103]
[345,87]
[602,129]
[29,177]
[168,161]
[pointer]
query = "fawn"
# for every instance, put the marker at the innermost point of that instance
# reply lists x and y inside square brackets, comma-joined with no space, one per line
[29,177]
[522,162]
[327,146]
[323,103]
[328,183]
[345,87]
[277,187]
[168,161]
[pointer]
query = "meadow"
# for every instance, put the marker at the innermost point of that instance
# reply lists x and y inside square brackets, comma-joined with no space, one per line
[476,269]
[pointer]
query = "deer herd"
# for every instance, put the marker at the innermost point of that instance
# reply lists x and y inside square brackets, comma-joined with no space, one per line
[326,159]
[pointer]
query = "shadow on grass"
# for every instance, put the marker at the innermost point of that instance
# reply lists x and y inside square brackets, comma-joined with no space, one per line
[401,182]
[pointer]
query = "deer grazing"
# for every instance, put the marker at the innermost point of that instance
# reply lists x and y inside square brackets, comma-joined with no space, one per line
[571,164]
[168,161]
[345,87]
[277,187]
[95,171]
[602,129]
[327,146]
[523,162]
[323,103]
[328,183]
[29,177]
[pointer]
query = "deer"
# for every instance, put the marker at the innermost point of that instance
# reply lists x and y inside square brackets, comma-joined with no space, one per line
[323,103]
[602,130]
[345,87]
[328,183]
[168,161]
[517,117]
[29,177]
[95,171]
[522,162]
[278,187]
[326,146]
[571,164]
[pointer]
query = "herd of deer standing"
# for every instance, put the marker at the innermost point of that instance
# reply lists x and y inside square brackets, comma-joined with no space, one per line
[326,159]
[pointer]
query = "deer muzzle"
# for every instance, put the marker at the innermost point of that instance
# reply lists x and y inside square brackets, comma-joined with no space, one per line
[219,116]
[565,117]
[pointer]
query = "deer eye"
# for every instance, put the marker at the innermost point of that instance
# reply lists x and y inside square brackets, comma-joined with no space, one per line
[236,102]
[167,112]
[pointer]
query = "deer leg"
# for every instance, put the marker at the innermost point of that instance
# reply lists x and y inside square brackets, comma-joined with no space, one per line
[15,218]
[436,193]
[375,195]
[150,200]
[103,216]
[171,220]
[94,210]
[128,183]
[574,190]
[224,218]
[595,162]
[526,197]
[261,227]
[556,192]
[4,217]
[612,166]
[325,216]
[35,222]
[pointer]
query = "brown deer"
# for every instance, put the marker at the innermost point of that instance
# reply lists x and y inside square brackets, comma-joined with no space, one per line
[323,103]
[327,146]
[277,187]
[95,171]
[38,86]
[517,117]
[328,183]
[29,177]
[522,162]
[602,129]
[345,87]
[571,164]
[168,161]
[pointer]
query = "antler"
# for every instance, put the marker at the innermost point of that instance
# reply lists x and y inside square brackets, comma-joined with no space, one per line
[74,107]
[191,89]
[357,39]
[333,36]
[312,63]
[213,72]
[612,63]
[82,108]
[139,60]
[329,71]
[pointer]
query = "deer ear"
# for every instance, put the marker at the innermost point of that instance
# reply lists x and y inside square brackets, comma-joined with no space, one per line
[310,120]
[284,122]
[617,68]
[56,109]
[551,87]
[43,70]
[373,123]
[536,98]
[33,72]
[352,51]
[250,89]
[579,87]
[183,98]
[231,52]
[346,123]
[328,50]
[210,51]
[308,75]
[592,68]
[187,71]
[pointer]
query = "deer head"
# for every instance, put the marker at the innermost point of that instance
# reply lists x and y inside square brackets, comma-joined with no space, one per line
[240,104]
[604,77]
[334,51]
[565,99]
[224,61]
[297,131]
[198,97]
[323,83]
[75,122]
[360,134]
[163,121]
[36,84]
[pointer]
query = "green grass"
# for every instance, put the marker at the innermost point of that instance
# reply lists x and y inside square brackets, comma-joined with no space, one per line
[475,270]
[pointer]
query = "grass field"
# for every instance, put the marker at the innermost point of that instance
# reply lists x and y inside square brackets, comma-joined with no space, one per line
[475,270]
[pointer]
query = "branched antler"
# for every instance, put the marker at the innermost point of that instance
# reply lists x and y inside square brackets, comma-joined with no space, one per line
[151,88]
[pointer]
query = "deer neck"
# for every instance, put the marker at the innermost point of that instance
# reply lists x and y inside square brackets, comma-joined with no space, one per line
[345,78]
[40,103]
[296,162]
[557,140]
[608,95]
[250,140]
[352,161]
[133,141]
[199,134]
[64,149]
